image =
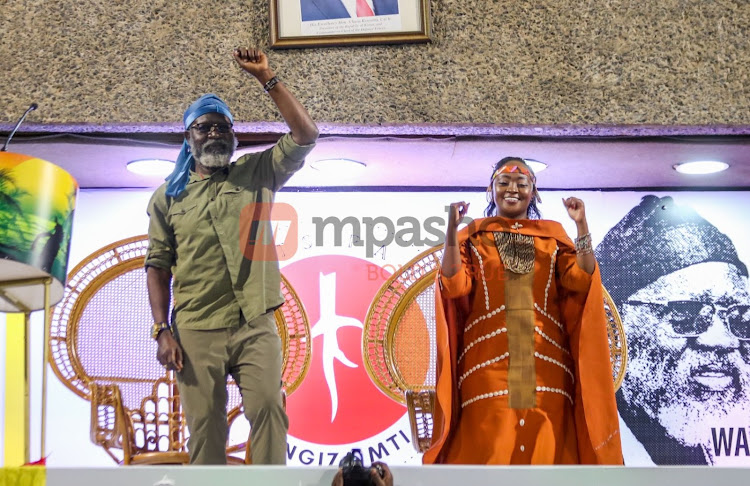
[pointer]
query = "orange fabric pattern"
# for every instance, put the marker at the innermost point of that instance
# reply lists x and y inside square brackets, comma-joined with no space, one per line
[549,326]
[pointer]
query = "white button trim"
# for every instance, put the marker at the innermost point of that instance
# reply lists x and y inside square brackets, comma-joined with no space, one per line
[555,390]
[483,396]
[482,365]
[550,340]
[486,316]
[544,313]
[551,274]
[484,281]
[480,339]
[554,361]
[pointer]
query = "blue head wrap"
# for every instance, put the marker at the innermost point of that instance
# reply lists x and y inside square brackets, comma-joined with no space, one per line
[209,103]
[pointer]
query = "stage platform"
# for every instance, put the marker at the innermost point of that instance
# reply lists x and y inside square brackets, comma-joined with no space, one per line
[403,475]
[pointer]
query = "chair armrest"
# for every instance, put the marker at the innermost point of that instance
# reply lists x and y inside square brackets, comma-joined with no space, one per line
[420,405]
[109,425]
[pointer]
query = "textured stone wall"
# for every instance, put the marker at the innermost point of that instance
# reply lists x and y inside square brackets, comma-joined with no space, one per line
[516,62]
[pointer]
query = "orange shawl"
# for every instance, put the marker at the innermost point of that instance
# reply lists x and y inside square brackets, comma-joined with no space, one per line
[595,409]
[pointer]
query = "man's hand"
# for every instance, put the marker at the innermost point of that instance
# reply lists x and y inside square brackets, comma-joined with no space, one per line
[169,352]
[255,62]
[338,479]
[381,474]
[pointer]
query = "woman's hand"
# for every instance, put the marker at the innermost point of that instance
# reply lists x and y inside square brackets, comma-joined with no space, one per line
[576,209]
[577,212]
[456,213]
[452,256]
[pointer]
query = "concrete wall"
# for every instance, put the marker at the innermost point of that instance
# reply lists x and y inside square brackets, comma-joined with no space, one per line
[518,62]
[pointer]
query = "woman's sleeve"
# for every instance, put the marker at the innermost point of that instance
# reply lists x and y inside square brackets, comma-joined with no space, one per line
[459,284]
[571,276]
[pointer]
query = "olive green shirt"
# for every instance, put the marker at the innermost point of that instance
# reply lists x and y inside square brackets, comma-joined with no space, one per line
[197,236]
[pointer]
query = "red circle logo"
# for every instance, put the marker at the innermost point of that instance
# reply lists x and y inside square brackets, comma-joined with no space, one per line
[337,402]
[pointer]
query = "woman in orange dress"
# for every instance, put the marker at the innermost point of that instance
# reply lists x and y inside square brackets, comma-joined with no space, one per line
[523,373]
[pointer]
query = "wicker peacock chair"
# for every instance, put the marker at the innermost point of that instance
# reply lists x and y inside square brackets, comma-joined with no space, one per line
[399,347]
[101,350]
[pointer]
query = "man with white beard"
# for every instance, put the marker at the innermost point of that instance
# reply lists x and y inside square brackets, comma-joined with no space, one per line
[684,299]
[207,228]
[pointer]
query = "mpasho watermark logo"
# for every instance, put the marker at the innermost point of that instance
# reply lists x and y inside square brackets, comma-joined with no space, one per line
[270,231]
[381,231]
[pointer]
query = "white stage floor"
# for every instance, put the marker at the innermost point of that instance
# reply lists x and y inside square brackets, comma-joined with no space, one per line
[403,475]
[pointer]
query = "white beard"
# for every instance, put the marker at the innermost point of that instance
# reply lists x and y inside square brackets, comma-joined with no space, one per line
[660,384]
[214,160]
[691,422]
[214,153]
[690,419]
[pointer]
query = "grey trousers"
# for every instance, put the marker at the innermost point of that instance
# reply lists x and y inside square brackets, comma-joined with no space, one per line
[251,354]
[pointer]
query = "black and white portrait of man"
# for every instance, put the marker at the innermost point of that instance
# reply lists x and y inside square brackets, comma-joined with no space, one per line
[684,300]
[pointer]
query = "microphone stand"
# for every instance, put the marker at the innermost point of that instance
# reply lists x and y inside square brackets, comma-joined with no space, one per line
[31,108]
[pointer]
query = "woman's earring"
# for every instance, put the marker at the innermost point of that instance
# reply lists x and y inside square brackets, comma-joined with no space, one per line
[489,194]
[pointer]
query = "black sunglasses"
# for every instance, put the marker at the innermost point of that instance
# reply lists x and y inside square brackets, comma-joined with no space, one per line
[207,127]
[690,318]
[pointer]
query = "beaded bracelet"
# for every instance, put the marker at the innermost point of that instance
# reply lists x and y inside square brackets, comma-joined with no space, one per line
[583,244]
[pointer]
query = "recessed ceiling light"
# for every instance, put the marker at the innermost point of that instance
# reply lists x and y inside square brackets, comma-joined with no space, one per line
[338,166]
[535,165]
[701,167]
[151,167]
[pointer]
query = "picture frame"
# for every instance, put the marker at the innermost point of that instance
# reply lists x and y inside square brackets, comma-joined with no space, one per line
[328,23]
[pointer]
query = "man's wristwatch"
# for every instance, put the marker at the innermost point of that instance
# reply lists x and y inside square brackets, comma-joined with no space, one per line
[158,327]
[270,84]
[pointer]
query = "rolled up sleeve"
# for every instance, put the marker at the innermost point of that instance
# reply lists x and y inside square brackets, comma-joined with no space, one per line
[161,243]
[287,157]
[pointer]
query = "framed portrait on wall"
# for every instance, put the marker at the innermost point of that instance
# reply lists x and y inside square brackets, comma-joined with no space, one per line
[321,23]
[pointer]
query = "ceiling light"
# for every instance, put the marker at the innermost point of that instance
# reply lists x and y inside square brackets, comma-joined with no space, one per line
[701,167]
[151,167]
[338,166]
[535,165]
